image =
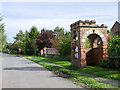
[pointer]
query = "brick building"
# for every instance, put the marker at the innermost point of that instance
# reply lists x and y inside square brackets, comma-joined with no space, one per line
[97,36]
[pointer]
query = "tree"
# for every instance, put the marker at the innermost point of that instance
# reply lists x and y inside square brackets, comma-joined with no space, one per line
[114,53]
[59,31]
[30,41]
[2,35]
[59,35]
[45,39]
[64,45]
[19,36]
[19,42]
[114,46]
[7,48]
[33,32]
[15,46]
[62,41]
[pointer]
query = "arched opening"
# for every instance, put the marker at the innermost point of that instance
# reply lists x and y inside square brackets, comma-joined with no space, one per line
[76,42]
[94,49]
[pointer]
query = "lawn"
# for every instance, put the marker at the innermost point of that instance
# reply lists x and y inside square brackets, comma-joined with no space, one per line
[94,70]
[56,61]
[98,71]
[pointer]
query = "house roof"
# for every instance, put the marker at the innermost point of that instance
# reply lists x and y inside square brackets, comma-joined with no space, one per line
[117,22]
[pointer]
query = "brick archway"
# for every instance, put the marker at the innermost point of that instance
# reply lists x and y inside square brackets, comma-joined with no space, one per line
[98,32]
[80,30]
[94,51]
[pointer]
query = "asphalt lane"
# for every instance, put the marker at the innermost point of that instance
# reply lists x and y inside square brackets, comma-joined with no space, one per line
[0,70]
[18,72]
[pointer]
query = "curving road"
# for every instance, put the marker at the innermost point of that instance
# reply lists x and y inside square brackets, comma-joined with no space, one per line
[18,72]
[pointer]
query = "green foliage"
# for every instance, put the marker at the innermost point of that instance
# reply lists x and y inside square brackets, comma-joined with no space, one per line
[6,50]
[99,71]
[109,63]
[19,36]
[15,46]
[2,35]
[114,52]
[114,46]
[59,31]
[64,44]
[87,43]
[33,32]
[109,32]
[26,41]
[62,41]
[30,41]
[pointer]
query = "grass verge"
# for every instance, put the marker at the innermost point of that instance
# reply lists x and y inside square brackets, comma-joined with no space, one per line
[93,70]
[55,61]
[77,77]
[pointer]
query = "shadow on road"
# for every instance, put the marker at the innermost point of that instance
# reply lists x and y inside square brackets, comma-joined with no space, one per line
[26,68]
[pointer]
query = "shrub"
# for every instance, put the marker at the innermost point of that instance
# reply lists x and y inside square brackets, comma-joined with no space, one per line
[6,50]
[14,52]
[114,46]
[109,63]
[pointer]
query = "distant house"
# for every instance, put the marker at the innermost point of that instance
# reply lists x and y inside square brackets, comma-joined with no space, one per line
[116,29]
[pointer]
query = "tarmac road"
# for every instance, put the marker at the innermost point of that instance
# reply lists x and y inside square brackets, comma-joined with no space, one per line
[17,72]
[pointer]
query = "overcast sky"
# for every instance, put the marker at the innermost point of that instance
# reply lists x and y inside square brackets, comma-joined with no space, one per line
[23,15]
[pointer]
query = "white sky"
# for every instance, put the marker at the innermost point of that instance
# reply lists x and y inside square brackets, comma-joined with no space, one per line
[21,15]
[59,0]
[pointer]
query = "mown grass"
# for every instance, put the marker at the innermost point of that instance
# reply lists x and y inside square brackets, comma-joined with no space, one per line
[21,55]
[89,82]
[93,70]
[98,71]
[56,61]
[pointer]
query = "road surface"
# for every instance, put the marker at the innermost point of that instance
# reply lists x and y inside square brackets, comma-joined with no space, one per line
[0,71]
[18,72]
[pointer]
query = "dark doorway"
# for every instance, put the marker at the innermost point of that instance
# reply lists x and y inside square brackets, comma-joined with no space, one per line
[94,52]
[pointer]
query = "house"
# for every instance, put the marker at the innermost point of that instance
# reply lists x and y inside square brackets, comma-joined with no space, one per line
[116,28]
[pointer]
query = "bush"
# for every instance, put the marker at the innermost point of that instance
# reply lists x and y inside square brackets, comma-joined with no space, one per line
[114,46]
[109,63]
[6,51]
[14,52]
[64,44]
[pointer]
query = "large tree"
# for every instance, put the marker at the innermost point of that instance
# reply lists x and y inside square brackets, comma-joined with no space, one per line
[2,35]
[59,31]
[30,41]
[33,32]
[64,44]
[45,39]
[15,46]
[20,36]
[59,36]
[62,41]
[18,43]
